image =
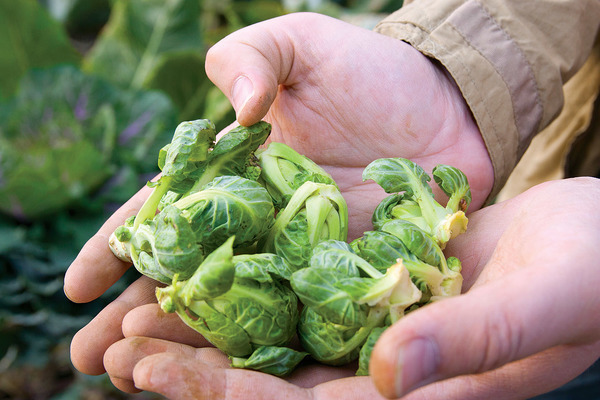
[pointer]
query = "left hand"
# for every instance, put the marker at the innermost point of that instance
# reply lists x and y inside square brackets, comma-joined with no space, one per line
[526,324]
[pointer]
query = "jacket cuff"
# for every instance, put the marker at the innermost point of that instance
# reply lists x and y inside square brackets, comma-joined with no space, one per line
[489,68]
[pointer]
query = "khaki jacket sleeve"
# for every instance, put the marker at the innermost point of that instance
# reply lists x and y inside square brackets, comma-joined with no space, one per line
[510,59]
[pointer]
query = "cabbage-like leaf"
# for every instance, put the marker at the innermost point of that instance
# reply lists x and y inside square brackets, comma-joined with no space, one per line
[335,344]
[284,170]
[216,327]
[456,186]
[267,311]
[249,314]
[366,350]
[416,240]
[234,154]
[274,360]
[64,133]
[31,38]
[417,204]
[323,290]
[382,248]
[190,145]
[262,267]
[227,206]
[165,247]
[316,212]
[341,258]
[140,34]
[397,175]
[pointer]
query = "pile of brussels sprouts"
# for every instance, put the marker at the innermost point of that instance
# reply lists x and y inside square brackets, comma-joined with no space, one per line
[252,245]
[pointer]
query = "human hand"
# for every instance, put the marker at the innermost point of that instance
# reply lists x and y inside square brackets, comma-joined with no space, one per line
[340,94]
[528,321]
[345,96]
[525,325]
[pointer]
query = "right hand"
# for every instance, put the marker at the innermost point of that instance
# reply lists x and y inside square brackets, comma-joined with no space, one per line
[525,324]
[339,94]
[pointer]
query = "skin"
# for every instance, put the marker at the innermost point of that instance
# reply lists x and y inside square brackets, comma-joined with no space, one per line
[345,96]
[518,263]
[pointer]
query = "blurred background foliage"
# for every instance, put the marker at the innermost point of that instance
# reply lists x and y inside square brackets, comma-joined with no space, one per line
[89,91]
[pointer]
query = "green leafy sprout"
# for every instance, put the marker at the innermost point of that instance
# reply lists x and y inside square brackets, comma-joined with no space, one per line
[251,242]
[413,198]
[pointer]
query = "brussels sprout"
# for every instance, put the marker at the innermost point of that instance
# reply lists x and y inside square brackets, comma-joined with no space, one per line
[315,212]
[212,278]
[204,198]
[176,240]
[283,171]
[344,298]
[165,246]
[382,249]
[257,309]
[416,203]
[188,148]
[334,344]
[227,206]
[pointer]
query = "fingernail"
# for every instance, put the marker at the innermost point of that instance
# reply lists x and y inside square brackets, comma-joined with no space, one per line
[242,91]
[417,362]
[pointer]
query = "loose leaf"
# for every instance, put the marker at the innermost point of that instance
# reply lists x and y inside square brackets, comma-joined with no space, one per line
[366,350]
[278,361]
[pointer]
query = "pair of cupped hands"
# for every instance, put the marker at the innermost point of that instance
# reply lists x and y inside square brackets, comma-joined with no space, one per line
[527,320]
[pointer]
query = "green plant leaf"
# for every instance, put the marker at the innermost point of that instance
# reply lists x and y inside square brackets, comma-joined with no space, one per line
[64,133]
[181,75]
[274,360]
[29,37]
[80,17]
[140,35]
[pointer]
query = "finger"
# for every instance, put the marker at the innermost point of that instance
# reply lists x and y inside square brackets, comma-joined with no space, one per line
[186,378]
[250,64]
[475,247]
[309,375]
[121,357]
[354,388]
[90,343]
[523,379]
[124,385]
[149,320]
[247,66]
[487,327]
[95,268]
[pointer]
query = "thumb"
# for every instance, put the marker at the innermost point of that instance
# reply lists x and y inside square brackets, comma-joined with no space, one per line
[489,326]
[249,64]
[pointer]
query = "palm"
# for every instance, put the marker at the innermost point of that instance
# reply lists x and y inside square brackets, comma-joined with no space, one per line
[503,246]
[359,96]
[519,267]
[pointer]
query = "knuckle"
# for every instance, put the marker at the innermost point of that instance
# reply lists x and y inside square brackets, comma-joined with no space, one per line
[502,340]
